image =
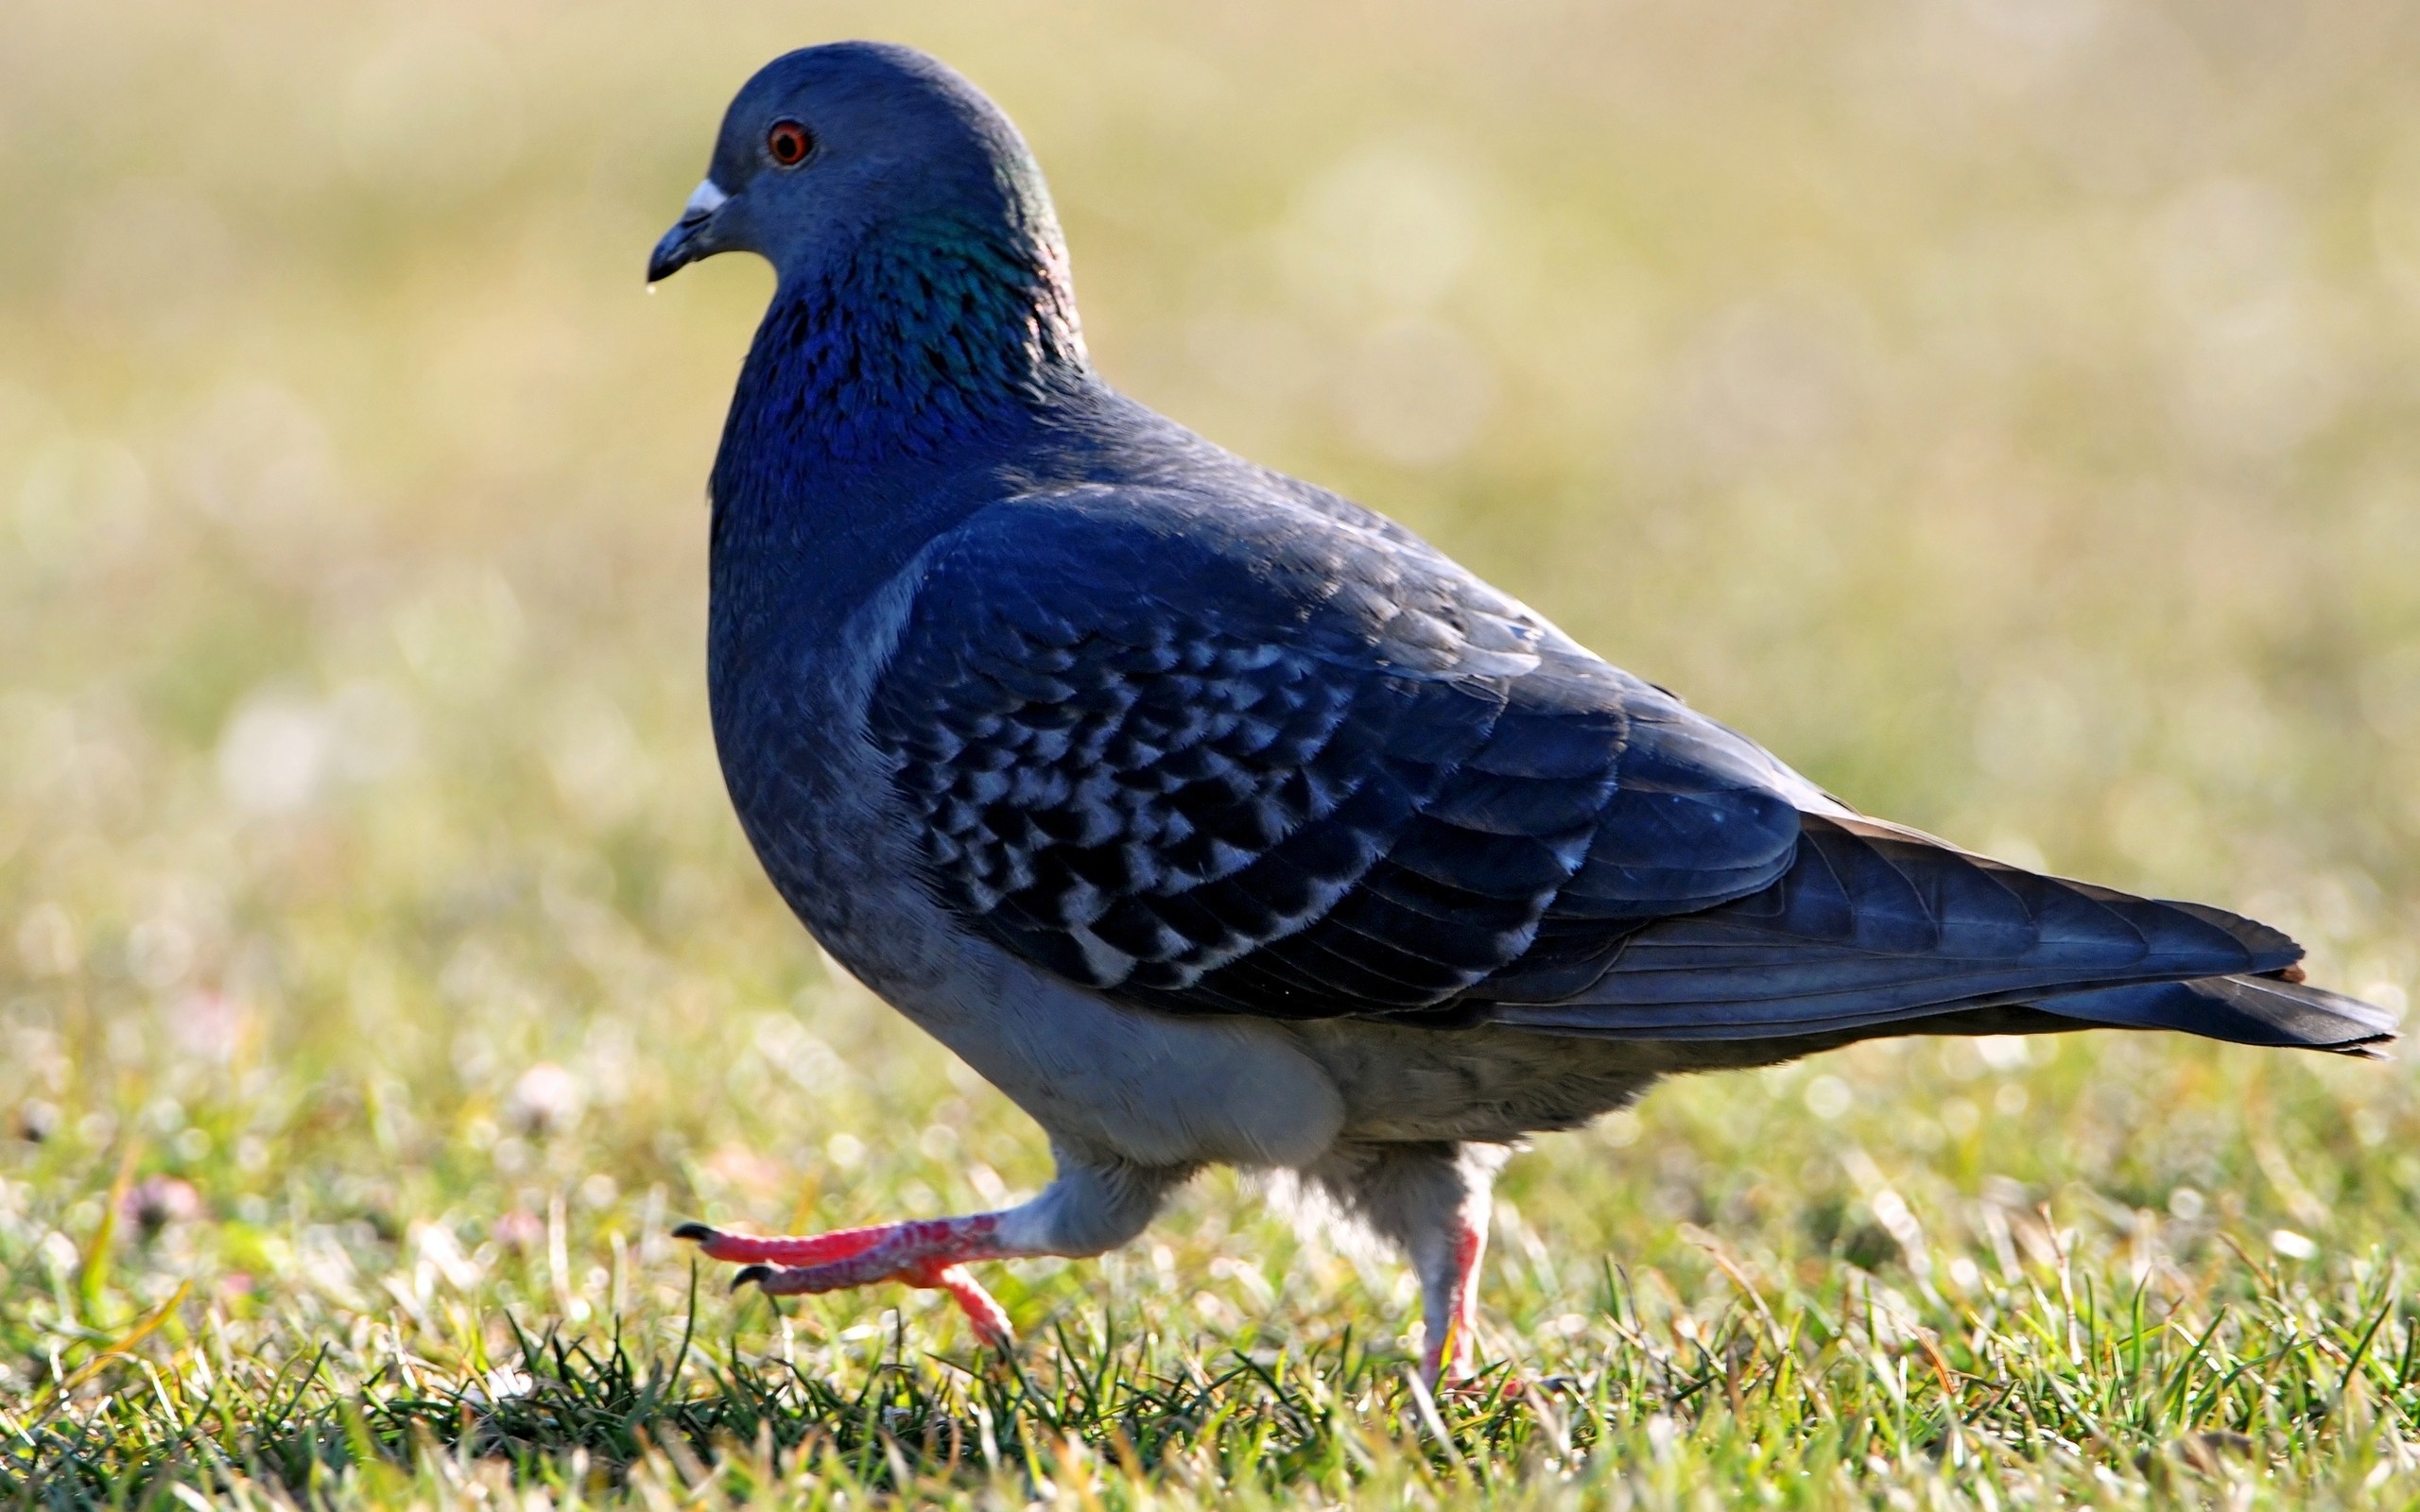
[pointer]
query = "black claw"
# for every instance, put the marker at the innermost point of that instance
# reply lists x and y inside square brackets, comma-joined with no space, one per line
[694,1230]
[752,1273]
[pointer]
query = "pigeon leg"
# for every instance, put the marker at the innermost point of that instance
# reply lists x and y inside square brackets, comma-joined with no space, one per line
[932,1252]
[1432,1198]
[1449,1298]
[1088,1209]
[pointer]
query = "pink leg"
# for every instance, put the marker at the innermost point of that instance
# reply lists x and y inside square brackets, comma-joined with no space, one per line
[1453,1315]
[1087,1208]
[989,1320]
[931,1252]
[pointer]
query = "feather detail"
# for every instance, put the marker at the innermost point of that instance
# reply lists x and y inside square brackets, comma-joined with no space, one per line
[1301,774]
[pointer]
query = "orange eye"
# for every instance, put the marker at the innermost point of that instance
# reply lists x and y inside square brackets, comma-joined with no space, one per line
[789,142]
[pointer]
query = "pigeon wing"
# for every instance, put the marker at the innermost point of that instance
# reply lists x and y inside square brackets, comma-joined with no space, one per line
[1214,759]
[1266,760]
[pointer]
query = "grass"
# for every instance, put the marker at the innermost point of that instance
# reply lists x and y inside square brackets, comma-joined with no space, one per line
[2006,417]
[2077,1365]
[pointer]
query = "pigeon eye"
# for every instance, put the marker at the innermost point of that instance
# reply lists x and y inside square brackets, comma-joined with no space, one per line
[789,142]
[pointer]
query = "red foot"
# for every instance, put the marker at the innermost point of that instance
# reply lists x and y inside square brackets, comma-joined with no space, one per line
[930,1253]
[984,1315]
[814,1251]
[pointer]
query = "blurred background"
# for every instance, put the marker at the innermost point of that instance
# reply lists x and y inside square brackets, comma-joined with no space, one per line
[2004,409]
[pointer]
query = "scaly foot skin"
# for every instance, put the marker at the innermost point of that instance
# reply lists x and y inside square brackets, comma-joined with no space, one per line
[930,1253]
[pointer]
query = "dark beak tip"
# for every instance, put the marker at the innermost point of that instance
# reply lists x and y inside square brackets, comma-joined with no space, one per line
[677,251]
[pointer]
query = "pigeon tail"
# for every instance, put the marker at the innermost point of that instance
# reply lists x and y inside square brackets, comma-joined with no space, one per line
[2244,1010]
[1881,931]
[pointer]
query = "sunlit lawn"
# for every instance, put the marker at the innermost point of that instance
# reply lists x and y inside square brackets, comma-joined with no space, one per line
[2006,412]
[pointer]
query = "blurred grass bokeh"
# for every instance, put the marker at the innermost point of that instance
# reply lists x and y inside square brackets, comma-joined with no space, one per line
[2005,410]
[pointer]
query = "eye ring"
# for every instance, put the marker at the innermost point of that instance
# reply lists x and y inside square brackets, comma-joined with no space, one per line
[788,142]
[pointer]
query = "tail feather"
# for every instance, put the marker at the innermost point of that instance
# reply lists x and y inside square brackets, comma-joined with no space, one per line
[1876,930]
[2245,1010]
[1869,925]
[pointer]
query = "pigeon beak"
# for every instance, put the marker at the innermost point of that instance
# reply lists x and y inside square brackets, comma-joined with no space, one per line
[687,240]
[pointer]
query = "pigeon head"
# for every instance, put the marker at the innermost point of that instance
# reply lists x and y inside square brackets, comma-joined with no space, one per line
[829,147]
[921,274]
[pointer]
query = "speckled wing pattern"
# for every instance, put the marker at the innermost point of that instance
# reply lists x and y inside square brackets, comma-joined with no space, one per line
[1267,764]
[1271,761]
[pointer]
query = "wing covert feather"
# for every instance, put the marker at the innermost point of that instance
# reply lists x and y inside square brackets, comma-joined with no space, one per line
[1203,763]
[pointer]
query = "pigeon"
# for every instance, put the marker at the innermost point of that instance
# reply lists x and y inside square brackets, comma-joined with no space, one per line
[1215,819]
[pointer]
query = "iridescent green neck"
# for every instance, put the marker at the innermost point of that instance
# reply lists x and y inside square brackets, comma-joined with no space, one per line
[928,334]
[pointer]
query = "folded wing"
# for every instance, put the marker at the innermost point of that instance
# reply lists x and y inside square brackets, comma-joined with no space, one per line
[1209,759]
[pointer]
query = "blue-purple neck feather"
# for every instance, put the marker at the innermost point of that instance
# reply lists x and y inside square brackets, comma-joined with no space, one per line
[928,347]
[923,341]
